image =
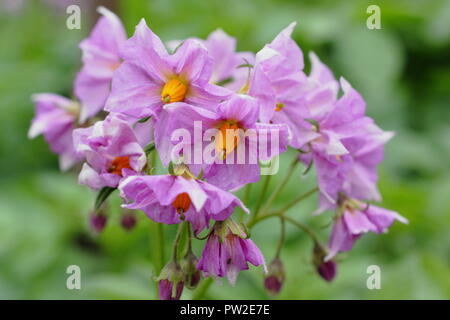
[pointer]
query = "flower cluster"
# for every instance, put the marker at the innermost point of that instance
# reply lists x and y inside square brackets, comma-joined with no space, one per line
[212,114]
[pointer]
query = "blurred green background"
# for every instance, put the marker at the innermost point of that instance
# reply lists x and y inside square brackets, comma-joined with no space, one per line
[402,70]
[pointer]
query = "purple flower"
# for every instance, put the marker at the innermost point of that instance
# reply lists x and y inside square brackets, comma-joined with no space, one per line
[111,150]
[222,49]
[149,77]
[171,198]
[366,153]
[227,251]
[278,83]
[236,141]
[55,117]
[100,60]
[344,145]
[355,219]
[226,61]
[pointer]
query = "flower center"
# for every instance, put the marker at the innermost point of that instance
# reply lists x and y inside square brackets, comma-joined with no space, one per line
[173,91]
[182,202]
[279,106]
[118,164]
[115,65]
[228,138]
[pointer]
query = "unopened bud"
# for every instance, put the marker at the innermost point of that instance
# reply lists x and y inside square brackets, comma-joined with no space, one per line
[171,282]
[327,270]
[273,282]
[192,274]
[98,221]
[128,221]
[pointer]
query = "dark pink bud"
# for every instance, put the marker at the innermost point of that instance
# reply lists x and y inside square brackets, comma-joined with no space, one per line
[192,274]
[274,280]
[166,290]
[98,221]
[128,221]
[327,270]
[194,279]
[171,282]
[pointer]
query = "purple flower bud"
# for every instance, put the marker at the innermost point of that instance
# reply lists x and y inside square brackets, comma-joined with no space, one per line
[128,221]
[274,280]
[189,265]
[166,290]
[327,270]
[171,282]
[98,221]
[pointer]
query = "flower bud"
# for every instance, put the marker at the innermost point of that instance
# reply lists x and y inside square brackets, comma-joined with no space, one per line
[171,282]
[192,274]
[326,269]
[98,221]
[273,282]
[128,221]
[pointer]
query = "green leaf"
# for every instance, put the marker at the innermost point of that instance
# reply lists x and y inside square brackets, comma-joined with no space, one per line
[102,196]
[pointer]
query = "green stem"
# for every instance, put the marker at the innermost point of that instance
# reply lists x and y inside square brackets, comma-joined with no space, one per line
[202,289]
[299,199]
[176,242]
[262,195]
[304,227]
[281,185]
[157,241]
[284,209]
[153,162]
[282,237]
[160,235]
[245,198]
[261,218]
[248,189]
[189,234]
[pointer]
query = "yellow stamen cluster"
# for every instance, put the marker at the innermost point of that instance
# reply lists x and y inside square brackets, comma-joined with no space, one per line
[279,106]
[174,91]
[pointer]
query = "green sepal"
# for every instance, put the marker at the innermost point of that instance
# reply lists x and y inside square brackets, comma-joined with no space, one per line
[171,169]
[149,148]
[314,123]
[144,119]
[225,81]
[103,194]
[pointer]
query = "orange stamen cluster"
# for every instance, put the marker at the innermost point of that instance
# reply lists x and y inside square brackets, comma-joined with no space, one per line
[118,164]
[279,106]
[173,91]
[227,139]
[182,202]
